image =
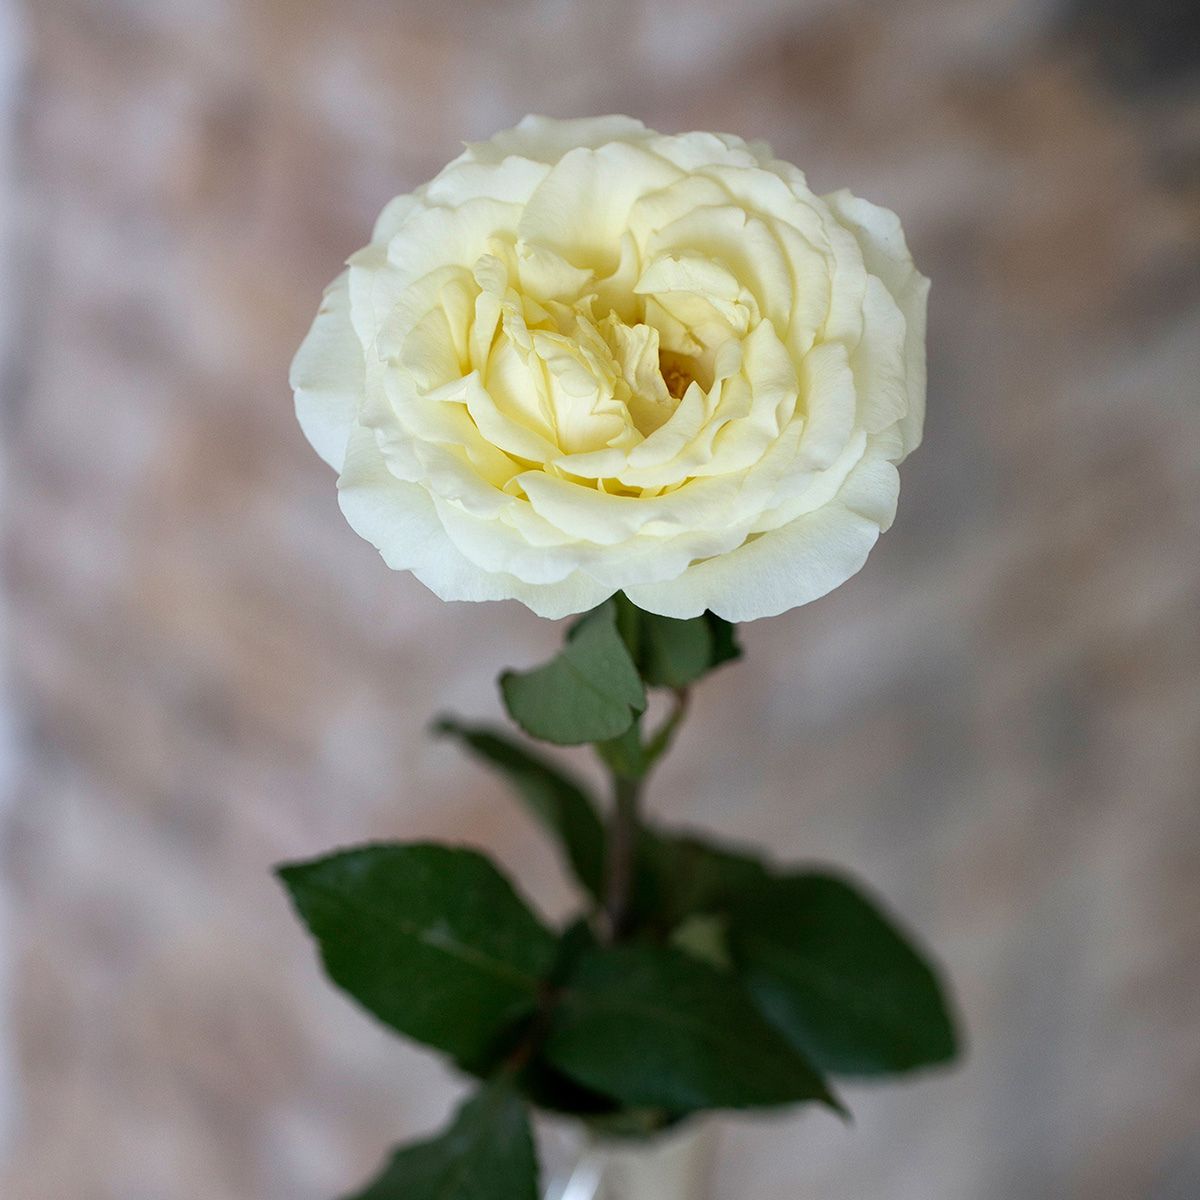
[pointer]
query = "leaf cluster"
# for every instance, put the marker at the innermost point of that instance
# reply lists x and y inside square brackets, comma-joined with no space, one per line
[733,984]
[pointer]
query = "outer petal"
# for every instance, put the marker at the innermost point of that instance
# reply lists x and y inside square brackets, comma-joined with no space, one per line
[546,139]
[395,213]
[787,567]
[512,180]
[886,255]
[400,521]
[694,150]
[328,376]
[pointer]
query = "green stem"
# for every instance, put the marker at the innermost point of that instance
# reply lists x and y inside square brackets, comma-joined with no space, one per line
[622,846]
[661,741]
[630,767]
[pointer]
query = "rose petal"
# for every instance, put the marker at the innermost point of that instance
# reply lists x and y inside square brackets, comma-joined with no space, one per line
[327,375]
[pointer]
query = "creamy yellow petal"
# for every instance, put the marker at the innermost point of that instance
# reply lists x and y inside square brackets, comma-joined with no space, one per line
[327,375]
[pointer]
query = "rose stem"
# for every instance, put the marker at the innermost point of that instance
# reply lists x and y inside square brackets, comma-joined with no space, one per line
[622,843]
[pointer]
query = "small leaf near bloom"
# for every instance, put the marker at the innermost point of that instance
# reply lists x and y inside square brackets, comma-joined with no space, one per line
[588,358]
[676,653]
[590,691]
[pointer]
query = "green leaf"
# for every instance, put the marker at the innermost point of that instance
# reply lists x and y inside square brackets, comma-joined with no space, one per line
[625,756]
[831,971]
[837,977]
[589,692]
[677,877]
[653,1028]
[724,635]
[550,1090]
[432,940]
[705,937]
[486,1154]
[546,1086]
[676,653]
[560,803]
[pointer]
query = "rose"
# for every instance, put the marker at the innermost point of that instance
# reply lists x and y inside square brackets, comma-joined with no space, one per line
[589,358]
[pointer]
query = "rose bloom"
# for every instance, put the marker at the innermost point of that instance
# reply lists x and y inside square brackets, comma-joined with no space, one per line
[589,358]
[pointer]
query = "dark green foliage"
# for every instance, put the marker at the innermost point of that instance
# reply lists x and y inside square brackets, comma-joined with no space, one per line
[838,977]
[559,802]
[652,1027]
[485,1154]
[699,977]
[822,960]
[432,940]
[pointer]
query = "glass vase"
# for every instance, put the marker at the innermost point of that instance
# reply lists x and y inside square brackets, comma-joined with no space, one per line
[673,1166]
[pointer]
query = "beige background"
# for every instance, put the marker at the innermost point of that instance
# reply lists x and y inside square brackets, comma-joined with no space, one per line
[997,723]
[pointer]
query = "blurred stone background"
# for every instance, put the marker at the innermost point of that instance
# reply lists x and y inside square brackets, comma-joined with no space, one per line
[997,723]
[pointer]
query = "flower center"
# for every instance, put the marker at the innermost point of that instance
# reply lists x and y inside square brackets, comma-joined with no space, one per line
[594,373]
[676,373]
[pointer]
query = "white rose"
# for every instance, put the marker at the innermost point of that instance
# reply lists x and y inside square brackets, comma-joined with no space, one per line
[589,358]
